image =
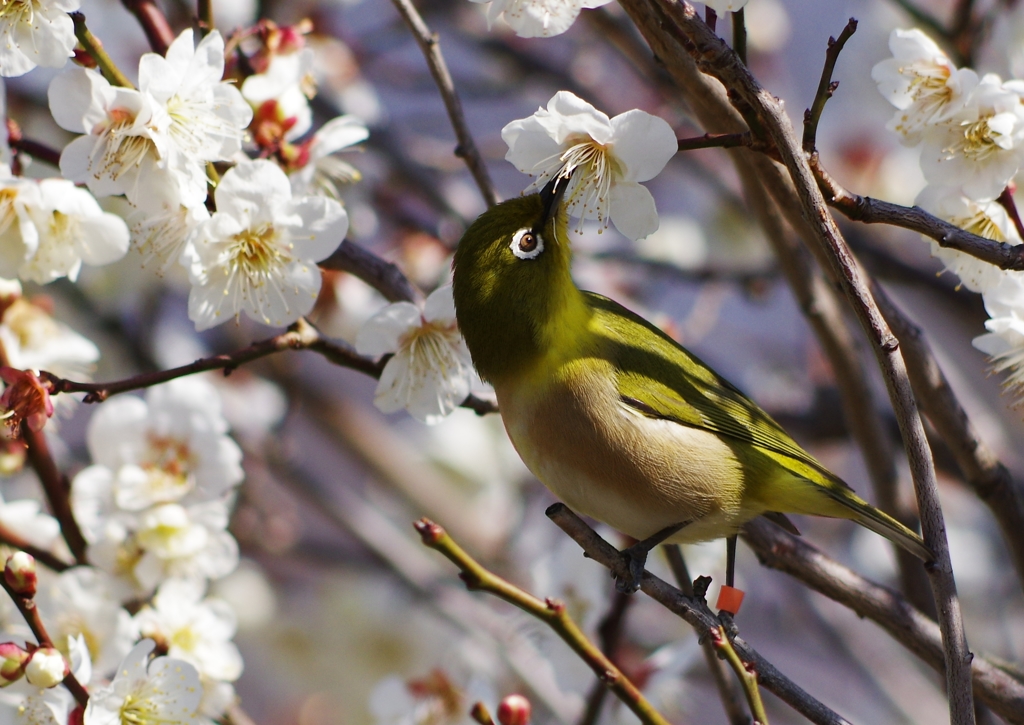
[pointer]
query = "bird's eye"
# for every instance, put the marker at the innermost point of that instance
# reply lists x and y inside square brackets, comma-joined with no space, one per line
[526,244]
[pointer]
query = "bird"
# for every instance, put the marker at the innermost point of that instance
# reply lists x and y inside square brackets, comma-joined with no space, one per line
[617,419]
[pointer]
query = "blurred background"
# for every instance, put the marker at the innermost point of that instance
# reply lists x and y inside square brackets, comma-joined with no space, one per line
[344,617]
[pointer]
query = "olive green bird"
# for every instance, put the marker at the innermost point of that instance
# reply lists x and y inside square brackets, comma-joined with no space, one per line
[613,416]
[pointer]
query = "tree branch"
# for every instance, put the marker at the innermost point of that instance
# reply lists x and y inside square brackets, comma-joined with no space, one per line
[696,612]
[1001,692]
[550,611]
[466,148]
[716,58]
[826,87]
[95,49]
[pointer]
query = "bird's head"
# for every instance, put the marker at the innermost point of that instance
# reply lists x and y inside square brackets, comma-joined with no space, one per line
[511,275]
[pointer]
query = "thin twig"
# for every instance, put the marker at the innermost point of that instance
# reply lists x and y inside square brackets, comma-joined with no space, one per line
[728,690]
[300,336]
[204,13]
[696,612]
[1005,200]
[550,611]
[739,34]
[55,484]
[718,59]
[13,539]
[95,49]
[748,679]
[154,24]
[996,688]
[37,150]
[609,632]
[826,86]
[28,609]
[874,211]
[716,140]
[466,148]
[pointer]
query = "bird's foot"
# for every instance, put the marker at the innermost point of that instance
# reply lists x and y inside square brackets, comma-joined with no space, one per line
[636,558]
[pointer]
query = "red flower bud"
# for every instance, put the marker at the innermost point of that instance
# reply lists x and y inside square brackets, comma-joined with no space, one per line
[20,574]
[514,710]
[26,398]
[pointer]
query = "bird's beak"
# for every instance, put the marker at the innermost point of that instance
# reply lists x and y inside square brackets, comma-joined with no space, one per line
[552,194]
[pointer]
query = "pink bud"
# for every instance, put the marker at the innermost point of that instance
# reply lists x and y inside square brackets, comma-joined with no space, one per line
[12,663]
[514,710]
[26,398]
[20,574]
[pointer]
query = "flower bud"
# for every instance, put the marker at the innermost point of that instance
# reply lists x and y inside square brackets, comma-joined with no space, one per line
[514,710]
[12,663]
[20,574]
[47,668]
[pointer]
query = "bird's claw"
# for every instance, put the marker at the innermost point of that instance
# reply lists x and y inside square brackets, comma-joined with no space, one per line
[636,559]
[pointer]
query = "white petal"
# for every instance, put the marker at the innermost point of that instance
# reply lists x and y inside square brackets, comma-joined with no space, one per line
[79,98]
[643,144]
[336,134]
[382,333]
[324,226]
[440,306]
[632,210]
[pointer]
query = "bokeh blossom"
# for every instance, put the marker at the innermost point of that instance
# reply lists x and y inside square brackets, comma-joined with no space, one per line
[34,33]
[538,18]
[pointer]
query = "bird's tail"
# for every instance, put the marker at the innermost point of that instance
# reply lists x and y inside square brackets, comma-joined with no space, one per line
[880,522]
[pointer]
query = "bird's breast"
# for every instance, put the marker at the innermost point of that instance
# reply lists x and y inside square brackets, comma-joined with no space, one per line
[608,461]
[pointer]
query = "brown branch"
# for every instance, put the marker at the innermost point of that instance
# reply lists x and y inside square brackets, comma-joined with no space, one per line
[466,148]
[715,58]
[1005,200]
[696,612]
[982,470]
[300,336]
[826,86]
[383,276]
[154,24]
[874,211]
[609,632]
[57,489]
[728,688]
[28,609]
[716,140]
[37,150]
[14,540]
[550,611]
[1001,692]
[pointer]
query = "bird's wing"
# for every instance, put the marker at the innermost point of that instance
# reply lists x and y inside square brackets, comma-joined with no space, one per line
[661,379]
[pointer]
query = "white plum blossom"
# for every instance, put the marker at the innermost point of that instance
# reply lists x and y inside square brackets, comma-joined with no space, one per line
[980,146]
[206,116]
[161,231]
[80,602]
[164,690]
[1004,341]
[33,340]
[193,629]
[35,33]
[921,82]
[603,158]
[141,142]
[49,227]
[125,139]
[257,254]
[538,18]
[287,81]
[142,549]
[72,229]
[985,218]
[430,372]
[18,234]
[172,447]
[320,172]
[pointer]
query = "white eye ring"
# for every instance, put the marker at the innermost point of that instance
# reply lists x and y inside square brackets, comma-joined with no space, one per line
[526,244]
